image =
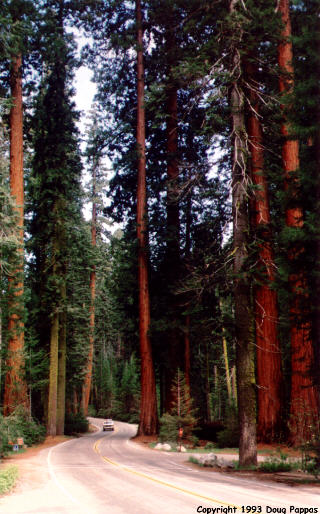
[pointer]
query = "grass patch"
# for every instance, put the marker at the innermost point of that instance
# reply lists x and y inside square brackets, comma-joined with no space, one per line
[274,466]
[195,461]
[8,478]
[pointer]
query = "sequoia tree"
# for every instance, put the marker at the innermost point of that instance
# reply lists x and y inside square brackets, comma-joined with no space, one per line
[148,409]
[303,406]
[15,386]
[269,373]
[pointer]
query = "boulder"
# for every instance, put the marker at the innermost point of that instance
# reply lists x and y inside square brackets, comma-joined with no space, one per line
[208,460]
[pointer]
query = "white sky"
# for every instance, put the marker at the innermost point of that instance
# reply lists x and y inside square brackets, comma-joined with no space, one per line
[85,91]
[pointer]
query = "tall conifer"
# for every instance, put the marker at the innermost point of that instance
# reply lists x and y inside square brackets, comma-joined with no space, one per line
[303,400]
[148,409]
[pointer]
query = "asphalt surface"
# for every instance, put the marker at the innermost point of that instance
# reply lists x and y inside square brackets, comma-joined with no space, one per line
[105,472]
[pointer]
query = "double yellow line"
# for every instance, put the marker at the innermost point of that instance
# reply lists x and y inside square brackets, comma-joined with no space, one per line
[157,481]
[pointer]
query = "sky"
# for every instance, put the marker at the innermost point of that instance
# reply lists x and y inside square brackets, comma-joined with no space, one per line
[85,90]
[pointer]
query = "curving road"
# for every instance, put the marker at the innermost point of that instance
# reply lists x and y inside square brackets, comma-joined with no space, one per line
[107,473]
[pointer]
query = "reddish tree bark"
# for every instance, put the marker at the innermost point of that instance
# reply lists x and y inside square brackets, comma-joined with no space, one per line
[175,343]
[86,388]
[269,370]
[303,407]
[148,407]
[15,392]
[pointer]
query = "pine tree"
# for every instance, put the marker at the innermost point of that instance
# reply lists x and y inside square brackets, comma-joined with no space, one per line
[55,191]
[242,286]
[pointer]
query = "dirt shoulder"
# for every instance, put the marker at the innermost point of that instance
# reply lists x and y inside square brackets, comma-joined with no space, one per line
[292,478]
[32,466]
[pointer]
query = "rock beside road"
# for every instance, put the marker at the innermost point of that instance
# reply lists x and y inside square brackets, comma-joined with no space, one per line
[211,460]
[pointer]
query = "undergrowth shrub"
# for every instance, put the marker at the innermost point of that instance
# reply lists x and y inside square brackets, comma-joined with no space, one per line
[181,415]
[19,424]
[75,423]
[229,436]
[92,411]
[276,464]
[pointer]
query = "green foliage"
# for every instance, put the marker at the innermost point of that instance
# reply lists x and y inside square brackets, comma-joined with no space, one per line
[311,454]
[92,411]
[194,460]
[169,428]
[274,464]
[181,415]
[8,218]
[8,478]
[75,423]
[229,436]
[118,383]
[19,424]
[210,446]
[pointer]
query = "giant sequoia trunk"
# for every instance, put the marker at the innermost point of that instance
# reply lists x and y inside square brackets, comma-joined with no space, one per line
[317,266]
[88,376]
[174,337]
[303,407]
[245,348]
[62,361]
[268,354]
[15,392]
[53,375]
[148,406]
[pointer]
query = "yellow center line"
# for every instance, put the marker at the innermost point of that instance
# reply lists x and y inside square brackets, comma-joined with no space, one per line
[161,482]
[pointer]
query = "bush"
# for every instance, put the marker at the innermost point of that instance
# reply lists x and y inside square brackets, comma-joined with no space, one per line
[210,446]
[274,464]
[19,424]
[76,423]
[7,479]
[92,411]
[229,436]
[311,456]
[169,428]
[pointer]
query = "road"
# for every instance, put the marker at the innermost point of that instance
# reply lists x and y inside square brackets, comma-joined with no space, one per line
[105,472]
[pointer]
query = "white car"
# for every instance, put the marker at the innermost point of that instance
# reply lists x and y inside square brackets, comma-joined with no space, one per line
[108,425]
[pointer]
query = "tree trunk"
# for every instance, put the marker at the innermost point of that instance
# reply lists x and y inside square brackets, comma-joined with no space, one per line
[62,358]
[174,338]
[316,323]
[303,407]
[53,376]
[226,359]
[269,369]
[148,407]
[187,358]
[88,377]
[245,349]
[15,392]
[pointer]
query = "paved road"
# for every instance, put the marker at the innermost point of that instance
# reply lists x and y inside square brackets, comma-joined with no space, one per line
[106,473]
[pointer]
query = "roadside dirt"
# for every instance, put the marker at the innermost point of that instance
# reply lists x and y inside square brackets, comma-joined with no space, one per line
[32,465]
[292,478]
[32,468]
